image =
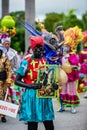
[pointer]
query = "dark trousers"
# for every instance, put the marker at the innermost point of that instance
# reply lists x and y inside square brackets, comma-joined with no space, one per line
[47,124]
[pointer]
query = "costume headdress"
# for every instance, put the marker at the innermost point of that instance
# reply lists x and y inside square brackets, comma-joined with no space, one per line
[73,36]
[36,40]
[5,39]
[7,28]
[47,36]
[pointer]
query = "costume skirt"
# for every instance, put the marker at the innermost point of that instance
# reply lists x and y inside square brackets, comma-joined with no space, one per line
[69,94]
[35,109]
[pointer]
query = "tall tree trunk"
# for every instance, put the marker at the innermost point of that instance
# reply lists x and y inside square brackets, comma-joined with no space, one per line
[5,7]
[30,17]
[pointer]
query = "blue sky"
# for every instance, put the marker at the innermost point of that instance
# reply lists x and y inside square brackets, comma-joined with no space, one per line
[47,6]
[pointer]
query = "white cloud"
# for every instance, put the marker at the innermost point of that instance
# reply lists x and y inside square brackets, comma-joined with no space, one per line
[45,6]
[17,5]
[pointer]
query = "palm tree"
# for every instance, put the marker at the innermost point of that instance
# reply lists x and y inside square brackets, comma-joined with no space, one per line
[30,17]
[5,7]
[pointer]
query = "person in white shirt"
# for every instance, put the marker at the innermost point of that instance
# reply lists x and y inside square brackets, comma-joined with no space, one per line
[11,53]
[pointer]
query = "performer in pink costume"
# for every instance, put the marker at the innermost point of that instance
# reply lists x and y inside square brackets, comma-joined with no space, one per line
[69,94]
[69,90]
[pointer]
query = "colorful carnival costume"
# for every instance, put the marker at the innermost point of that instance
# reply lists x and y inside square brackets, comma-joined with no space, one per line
[53,52]
[52,46]
[83,62]
[33,109]
[8,30]
[5,76]
[69,90]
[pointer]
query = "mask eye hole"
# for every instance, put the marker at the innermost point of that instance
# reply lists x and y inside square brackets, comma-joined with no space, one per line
[52,41]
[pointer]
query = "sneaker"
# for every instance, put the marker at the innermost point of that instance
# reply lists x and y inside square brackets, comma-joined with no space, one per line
[73,110]
[85,96]
[3,119]
[61,109]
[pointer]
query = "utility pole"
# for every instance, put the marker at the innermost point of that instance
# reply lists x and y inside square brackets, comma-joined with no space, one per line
[30,17]
[5,7]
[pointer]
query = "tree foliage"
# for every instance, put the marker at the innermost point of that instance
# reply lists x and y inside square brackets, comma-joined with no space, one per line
[84,18]
[52,18]
[18,42]
[69,20]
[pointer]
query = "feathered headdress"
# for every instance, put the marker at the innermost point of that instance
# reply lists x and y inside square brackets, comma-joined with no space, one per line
[7,28]
[73,36]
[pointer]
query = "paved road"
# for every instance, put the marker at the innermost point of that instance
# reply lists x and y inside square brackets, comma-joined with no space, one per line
[63,121]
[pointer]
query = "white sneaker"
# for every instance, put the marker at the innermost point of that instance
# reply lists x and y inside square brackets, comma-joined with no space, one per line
[85,96]
[73,110]
[61,109]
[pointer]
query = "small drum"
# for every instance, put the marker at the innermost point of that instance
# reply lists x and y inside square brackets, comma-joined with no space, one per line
[62,76]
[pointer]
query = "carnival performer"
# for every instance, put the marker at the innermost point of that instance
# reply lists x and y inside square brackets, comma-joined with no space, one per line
[69,93]
[54,52]
[12,56]
[5,76]
[83,61]
[9,31]
[53,49]
[34,109]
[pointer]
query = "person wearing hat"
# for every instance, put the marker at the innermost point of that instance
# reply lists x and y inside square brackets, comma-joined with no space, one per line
[33,109]
[11,53]
[5,76]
